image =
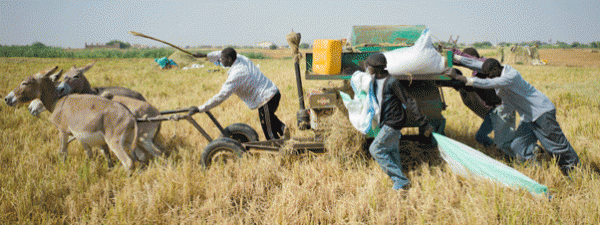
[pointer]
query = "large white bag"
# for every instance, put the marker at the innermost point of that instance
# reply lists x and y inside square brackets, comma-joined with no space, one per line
[363,110]
[421,58]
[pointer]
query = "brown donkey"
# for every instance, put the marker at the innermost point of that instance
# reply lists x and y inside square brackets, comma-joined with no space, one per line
[80,85]
[93,120]
[75,82]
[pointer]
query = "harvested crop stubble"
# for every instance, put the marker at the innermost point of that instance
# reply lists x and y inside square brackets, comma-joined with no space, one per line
[344,142]
[413,154]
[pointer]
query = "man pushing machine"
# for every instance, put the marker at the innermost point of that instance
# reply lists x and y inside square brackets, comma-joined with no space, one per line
[538,114]
[251,85]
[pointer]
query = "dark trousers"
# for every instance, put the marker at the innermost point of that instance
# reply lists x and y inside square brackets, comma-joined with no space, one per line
[548,132]
[484,130]
[271,125]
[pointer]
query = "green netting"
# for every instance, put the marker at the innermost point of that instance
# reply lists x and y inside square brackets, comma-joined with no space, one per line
[469,162]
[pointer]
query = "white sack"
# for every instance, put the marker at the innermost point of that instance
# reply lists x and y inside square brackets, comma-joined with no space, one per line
[421,58]
[363,110]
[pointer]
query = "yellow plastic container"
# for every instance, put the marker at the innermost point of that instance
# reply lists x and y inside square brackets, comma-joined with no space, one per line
[327,56]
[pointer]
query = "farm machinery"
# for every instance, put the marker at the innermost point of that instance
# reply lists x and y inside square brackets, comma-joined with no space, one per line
[238,139]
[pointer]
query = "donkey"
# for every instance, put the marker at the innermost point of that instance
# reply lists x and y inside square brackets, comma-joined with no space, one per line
[132,100]
[93,120]
[147,130]
[81,85]
[75,81]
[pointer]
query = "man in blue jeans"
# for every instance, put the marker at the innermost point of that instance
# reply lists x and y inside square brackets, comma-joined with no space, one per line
[538,114]
[487,105]
[391,97]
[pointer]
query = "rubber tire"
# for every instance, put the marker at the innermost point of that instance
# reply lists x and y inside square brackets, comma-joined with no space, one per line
[222,147]
[241,132]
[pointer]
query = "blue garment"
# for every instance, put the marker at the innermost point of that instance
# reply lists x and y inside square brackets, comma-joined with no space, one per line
[484,130]
[385,150]
[162,62]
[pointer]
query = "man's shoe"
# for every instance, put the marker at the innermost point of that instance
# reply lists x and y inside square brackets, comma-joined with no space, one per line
[566,170]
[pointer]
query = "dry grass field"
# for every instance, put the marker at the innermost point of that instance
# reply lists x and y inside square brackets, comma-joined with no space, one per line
[342,186]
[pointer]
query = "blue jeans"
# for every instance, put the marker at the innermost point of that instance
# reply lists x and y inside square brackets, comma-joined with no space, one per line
[503,120]
[386,152]
[438,124]
[484,130]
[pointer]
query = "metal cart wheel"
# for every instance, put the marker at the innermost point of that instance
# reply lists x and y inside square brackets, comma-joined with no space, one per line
[221,150]
[241,132]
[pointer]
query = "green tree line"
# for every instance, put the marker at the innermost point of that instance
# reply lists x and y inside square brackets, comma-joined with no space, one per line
[39,50]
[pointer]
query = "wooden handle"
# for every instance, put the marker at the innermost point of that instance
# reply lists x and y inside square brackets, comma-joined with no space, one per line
[146,36]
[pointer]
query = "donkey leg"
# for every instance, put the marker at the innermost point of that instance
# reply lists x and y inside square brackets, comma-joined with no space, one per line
[116,146]
[106,152]
[88,150]
[149,146]
[63,143]
[141,156]
[71,138]
[147,133]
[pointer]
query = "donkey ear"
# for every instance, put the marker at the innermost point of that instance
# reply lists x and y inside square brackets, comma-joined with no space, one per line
[49,71]
[56,76]
[87,67]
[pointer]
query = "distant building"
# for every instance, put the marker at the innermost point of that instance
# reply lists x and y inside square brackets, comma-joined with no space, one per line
[97,45]
[264,44]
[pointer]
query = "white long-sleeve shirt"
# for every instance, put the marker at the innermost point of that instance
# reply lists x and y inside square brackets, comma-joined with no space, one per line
[516,93]
[246,81]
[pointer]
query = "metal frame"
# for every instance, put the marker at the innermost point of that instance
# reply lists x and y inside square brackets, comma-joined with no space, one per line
[305,144]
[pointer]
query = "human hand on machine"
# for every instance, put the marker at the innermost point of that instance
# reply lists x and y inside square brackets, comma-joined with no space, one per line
[196,109]
[452,73]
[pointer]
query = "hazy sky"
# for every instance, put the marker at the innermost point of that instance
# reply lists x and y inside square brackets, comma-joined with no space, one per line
[72,23]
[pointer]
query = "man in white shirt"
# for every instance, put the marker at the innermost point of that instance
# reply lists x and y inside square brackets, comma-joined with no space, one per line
[251,86]
[538,114]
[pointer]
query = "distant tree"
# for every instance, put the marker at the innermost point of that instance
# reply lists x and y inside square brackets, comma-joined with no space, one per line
[595,44]
[38,44]
[304,46]
[575,44]
[273,47]
[485,44]
[122,45]
[562,44]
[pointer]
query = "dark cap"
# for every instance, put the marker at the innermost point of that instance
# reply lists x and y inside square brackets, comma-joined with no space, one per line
[377,59]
